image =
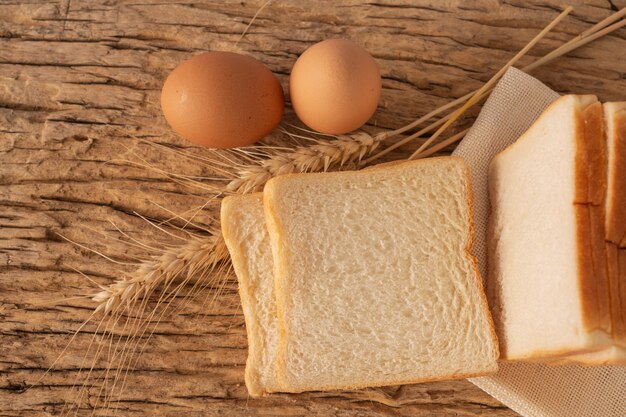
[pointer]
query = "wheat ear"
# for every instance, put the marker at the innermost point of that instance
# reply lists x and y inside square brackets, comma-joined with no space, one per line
[197,256]
[321,156]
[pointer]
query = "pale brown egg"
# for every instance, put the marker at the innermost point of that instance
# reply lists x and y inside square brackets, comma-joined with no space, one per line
[335,86]
[222,100]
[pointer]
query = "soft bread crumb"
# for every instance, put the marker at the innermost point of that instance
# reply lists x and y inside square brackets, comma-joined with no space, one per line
[375,283]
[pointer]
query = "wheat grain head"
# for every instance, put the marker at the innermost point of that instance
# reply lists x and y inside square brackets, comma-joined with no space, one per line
[193,257]
[324,154]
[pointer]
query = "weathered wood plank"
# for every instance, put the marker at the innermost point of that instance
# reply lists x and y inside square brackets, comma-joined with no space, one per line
[79,96]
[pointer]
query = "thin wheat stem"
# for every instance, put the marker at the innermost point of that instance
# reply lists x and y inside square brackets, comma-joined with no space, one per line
[83,388]
[111,355]
[188,221]
[443,144]
[415,135]
[252,21]
[160,228]
[131,240]
[108,258]
[576,43]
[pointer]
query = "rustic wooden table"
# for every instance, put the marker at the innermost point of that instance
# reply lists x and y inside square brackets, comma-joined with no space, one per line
[79,96]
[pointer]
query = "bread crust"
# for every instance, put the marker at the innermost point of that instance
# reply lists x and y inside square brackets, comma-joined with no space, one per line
[251,376]
[279,255]
[590,193]
[396,382]
[616,221]
[480,285]
[616,260]
[493,271]
[553,356]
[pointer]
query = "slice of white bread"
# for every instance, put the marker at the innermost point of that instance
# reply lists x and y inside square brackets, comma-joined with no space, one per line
[243,228]
[615,228]
[375,283]
[547,283]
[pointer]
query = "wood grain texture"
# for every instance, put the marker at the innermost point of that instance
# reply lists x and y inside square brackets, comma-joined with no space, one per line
[79,96]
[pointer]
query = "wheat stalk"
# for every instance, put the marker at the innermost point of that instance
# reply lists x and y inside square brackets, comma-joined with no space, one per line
[321,156]
[195,257]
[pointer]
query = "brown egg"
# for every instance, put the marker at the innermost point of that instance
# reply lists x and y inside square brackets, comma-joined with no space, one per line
[222,100]
[335,86]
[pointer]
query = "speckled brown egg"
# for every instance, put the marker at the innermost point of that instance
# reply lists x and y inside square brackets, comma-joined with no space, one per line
[222,100]
[335,86]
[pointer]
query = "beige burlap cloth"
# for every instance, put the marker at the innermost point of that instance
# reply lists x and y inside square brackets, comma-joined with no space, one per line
[531,389]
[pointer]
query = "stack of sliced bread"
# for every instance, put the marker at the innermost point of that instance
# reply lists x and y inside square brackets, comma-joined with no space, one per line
[365,278]
[557,264]
[358,279]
